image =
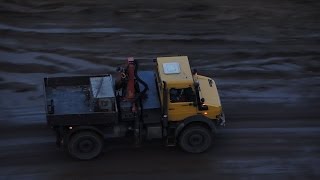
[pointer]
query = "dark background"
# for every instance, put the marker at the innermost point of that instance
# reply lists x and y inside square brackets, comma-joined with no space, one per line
[264,56]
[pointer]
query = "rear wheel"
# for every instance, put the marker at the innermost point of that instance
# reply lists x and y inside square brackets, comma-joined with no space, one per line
[195,139]
[85,145]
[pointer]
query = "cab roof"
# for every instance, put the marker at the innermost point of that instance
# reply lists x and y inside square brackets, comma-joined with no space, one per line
[175,70]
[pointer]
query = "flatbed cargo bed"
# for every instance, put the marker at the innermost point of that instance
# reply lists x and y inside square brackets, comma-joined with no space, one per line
[68,102]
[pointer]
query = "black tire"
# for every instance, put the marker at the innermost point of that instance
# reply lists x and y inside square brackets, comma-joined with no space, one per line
[85,145]
[195,139]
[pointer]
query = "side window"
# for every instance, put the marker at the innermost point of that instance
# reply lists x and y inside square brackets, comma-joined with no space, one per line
[182,95]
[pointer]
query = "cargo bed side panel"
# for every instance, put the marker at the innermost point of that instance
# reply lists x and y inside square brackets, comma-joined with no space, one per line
[82,119]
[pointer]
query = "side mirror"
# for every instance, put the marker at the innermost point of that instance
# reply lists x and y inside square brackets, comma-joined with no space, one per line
[194,71]
[204,107]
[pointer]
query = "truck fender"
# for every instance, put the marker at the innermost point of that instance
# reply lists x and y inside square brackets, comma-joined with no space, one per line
[83,128]
[195,119]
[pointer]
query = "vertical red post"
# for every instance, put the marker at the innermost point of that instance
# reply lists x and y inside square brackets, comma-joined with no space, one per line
[131,79]
[131,92]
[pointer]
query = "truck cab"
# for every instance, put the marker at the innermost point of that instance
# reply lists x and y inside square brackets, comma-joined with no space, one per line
[188,94]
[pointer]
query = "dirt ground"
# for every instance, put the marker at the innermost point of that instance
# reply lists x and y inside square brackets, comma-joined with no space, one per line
[263,55]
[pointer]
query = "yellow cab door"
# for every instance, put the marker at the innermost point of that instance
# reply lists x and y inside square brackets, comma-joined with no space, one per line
[181,104]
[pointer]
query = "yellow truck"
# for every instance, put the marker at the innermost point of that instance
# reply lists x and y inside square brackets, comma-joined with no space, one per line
[171,103]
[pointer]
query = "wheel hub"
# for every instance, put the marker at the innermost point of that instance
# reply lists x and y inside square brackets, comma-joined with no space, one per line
[196,140]
[86,146]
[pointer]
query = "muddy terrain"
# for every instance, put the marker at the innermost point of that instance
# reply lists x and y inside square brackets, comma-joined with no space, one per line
[263,55]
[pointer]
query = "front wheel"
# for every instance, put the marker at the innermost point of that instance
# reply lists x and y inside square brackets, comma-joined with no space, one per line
[195,139]
[85,145]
